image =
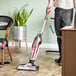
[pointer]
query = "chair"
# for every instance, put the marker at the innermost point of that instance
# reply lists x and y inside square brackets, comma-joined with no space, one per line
[5,23]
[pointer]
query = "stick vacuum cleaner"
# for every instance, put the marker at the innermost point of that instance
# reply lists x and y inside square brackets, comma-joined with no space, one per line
[30,66]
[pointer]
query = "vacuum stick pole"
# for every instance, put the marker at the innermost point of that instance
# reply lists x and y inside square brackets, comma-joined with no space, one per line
[43,27]
[46,19]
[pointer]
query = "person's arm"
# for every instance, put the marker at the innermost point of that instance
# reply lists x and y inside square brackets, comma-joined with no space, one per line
[55,3]
[74,3]
[49,3]
[48,9]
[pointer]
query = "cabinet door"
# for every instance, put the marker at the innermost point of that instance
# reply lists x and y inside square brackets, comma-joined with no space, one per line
[69,53]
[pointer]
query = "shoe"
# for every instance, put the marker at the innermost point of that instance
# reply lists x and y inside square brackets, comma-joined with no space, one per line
[58,60]
[60,63]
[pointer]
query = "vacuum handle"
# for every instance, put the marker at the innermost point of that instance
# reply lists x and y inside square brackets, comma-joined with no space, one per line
[48,10]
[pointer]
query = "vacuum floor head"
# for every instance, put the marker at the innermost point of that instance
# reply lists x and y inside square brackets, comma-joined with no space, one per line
[28,67]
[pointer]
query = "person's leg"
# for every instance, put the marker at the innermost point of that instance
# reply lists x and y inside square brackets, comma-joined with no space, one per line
[60,54]
[66,18]
[59,45]
[58,23]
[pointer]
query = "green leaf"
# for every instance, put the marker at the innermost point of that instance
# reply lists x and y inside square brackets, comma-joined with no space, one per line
[21,16]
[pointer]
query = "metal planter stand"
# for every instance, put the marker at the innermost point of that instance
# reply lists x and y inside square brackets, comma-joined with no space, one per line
[19,33]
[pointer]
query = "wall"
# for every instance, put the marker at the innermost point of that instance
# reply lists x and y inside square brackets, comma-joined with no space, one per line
[35,21]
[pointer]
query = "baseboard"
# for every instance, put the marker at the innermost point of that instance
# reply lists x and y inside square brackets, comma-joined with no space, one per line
[47,46]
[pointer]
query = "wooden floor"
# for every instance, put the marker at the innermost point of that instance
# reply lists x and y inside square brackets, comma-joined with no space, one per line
[45,61]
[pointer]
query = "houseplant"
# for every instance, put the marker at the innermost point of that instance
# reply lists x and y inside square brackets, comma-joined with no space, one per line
[20,18]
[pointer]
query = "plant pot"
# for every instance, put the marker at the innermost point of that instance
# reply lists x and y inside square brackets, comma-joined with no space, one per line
[19,32]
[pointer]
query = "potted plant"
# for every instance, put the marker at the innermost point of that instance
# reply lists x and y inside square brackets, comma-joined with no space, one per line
[20,18]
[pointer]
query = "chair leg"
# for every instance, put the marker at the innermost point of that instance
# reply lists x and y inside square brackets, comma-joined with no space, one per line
[2,53]
[19,41]
[26,44]
[9,54]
